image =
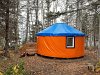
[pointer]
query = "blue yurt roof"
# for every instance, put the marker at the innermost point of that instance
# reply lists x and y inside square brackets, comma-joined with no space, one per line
[60,29]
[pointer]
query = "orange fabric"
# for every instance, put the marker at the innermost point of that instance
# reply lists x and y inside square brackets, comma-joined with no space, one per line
[55,46]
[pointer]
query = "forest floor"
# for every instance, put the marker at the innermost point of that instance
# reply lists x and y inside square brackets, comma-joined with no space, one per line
[38,65]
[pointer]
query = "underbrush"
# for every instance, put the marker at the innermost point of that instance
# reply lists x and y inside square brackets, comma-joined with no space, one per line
[17,69]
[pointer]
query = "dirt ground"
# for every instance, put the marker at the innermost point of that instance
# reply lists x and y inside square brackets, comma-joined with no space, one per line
[39,65]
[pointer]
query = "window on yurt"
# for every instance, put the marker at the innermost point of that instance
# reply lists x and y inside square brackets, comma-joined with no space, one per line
[70,42]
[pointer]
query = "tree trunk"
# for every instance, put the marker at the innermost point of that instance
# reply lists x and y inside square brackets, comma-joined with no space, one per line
[42,11]
[27,22]
[48,10]
[78,19]
[94,26]
[6,30]
[16,28]
[37,13]
[99,39]
[36,22]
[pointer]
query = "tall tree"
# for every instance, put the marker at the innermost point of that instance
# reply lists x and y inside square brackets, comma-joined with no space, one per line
[7,28]
[48,11]
[16,26]
[27,22]
[78,19]
[95,24]
[99,38]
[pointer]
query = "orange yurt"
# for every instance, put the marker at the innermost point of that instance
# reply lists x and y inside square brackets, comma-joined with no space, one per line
[60,40]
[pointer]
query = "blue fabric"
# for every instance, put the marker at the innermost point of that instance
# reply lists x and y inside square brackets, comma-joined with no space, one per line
[60,29]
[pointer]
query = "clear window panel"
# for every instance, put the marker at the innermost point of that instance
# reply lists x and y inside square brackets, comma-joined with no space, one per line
[70,41]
